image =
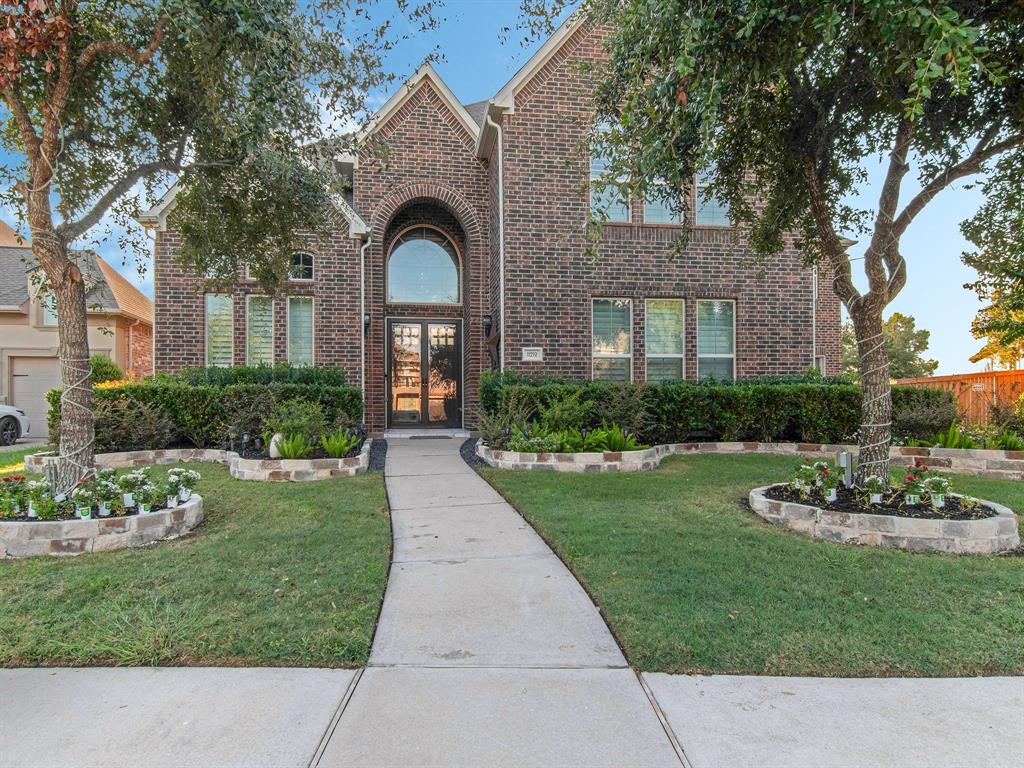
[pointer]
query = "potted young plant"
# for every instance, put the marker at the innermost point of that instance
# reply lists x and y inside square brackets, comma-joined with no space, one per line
[830,483]
[130,483]
[937,488]
[875,487]
[107,491]
[805,477]
[147,495]
[821,470]
[187,479]
[171,489]
[37,496]
[14,495]
[84,498]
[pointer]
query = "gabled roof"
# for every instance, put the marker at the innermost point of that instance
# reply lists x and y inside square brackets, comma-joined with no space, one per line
[157,215]
[128,299]
[426,73]
[505,98]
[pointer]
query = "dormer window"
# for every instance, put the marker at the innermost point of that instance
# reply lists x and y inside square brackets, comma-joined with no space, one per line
[302,267]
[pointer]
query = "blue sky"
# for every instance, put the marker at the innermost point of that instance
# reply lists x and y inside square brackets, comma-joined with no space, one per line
[478,55]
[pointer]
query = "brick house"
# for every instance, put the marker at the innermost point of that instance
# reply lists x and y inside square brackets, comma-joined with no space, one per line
[465,247]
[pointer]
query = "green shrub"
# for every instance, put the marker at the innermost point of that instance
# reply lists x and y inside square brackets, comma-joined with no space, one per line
[1007,441]
[282,373]
[339,444]
[130,425]
[104,369]
[822,410]
[298,417]
[296,446]
[564,413]
[201,414]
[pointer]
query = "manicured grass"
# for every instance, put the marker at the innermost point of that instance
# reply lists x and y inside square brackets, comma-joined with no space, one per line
[279,574]
[14,455]
[690,580]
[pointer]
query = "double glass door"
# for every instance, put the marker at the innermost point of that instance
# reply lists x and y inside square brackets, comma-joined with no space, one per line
[425,374]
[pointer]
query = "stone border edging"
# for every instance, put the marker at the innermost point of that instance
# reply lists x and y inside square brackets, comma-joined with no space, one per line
[963,537]
[272,470]
[1001,465]
[100,534]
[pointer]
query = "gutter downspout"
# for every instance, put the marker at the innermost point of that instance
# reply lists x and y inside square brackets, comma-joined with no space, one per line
[501,239]
[814,317]
[362,320]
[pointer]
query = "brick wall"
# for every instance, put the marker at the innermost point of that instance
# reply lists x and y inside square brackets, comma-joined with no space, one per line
[551,280]
[140,352]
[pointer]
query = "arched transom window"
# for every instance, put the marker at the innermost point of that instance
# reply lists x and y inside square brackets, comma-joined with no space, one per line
[423,268]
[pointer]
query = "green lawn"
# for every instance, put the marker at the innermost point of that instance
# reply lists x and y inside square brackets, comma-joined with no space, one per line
[690,580]
[14,455]
[278,574]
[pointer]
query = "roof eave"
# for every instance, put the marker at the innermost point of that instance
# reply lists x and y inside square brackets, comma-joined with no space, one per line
[506,97]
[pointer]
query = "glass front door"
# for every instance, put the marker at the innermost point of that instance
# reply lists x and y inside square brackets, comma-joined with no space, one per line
[425,375]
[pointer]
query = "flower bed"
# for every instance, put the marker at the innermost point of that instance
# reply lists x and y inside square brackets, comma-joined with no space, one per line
[296,470]
[927,532]
[1001,465]
[30,538]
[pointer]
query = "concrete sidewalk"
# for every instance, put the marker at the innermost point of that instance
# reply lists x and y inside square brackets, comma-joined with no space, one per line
[489,653]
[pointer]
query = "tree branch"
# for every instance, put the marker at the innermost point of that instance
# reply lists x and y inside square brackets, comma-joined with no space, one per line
[70,230]
[112,46]
[882,254]
[842,277]
[972,164]
[21,116]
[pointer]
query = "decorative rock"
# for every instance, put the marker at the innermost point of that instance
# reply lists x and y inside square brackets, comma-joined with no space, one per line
[988,535]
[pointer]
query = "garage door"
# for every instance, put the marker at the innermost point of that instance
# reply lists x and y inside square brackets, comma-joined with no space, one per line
[31,379]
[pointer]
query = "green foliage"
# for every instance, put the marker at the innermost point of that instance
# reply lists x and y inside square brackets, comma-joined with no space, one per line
[905,345]
[669,413]
[127,424]
[954,438]
[298,417]
[339,444]
[564,413]
[104,369]
[281,373]
[202,414]
[610,438]
[1007,441]
[297,445]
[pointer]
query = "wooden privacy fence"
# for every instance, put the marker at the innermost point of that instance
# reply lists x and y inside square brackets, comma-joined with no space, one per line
[976,393]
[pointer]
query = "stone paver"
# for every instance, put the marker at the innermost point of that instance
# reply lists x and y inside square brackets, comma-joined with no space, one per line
[498,717]
[165,717]
[796,722]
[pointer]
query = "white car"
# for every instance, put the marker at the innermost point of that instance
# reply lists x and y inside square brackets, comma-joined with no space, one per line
[13,424]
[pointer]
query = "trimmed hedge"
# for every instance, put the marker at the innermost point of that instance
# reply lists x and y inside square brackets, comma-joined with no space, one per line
[672,413]
[282,373]
[200,415]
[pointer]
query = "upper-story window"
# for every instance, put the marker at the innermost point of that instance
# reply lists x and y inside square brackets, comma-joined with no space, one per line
[423,268]
[710,211]
[607,203]
[657,210]
[48,309]
[302,267]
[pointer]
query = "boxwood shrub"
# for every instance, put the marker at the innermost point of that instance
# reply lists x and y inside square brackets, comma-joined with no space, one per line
[282,373]
[800,410]
[200,415]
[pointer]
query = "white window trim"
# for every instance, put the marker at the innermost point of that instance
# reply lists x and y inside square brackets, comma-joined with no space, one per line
[312,258]
[206,330]
[682,331]
[43,297]
[735,321]
[312,330]
[611,355]
[248,300]
[679,214]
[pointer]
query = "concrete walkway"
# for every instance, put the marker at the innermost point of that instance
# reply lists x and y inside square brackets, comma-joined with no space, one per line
[489,653]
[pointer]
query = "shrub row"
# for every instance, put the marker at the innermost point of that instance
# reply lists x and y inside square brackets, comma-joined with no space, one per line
[282,373]
[162,413]
[668,413]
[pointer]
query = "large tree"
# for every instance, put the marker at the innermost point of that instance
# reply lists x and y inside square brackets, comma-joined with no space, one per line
[905,345]
[107,100]
[782,103]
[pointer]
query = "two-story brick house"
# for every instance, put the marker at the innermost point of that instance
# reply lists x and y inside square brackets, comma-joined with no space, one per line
[465,246]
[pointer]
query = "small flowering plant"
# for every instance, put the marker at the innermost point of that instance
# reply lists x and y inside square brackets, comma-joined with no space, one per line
[913,483]
[937,488]
[821,470]
[13,495]
[874,486]
[187,478]
[132,482]
[805,476]
[84,498]
[41,504]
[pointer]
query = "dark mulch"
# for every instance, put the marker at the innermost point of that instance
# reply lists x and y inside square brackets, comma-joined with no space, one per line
[468,451]
[892,504]
[378,455]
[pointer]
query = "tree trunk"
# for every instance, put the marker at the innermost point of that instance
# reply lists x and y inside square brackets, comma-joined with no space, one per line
[876,394]
[76,416]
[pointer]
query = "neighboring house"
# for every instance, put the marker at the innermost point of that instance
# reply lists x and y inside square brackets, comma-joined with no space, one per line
[120,326]
[466,248]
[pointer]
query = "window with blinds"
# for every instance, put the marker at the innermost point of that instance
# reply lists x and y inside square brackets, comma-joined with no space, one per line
[300,330]
[716,339]
[711,212]
[660,211]
[259,331]
[611,331]
[607,203]
[664,324]
[219,330]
